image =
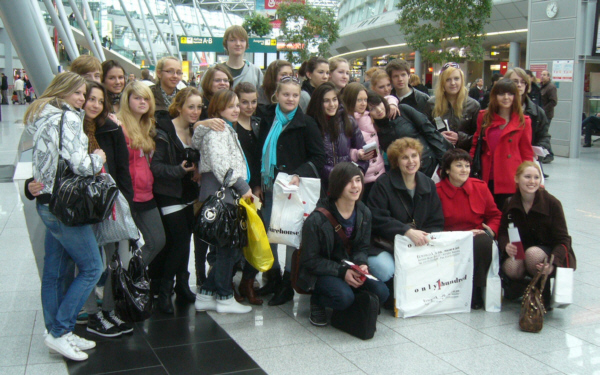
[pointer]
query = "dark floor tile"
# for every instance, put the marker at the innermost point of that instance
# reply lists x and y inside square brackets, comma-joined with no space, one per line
[256,371]
[127,352]
[217,357]
[157,370]
[182,309]
[183,331]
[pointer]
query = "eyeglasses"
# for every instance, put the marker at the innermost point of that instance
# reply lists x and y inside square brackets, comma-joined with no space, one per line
[172,72]
[290,78]
[450,65]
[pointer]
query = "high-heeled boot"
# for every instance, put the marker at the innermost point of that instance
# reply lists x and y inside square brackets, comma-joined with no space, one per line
[165,304]
[246,289]
[284,293]
[182,288]
[273,282]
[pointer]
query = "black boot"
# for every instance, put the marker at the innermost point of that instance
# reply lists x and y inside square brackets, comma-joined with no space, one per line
[477,298]
[182,288]
[273,282]
[165,304]
[389,304]
[284,293]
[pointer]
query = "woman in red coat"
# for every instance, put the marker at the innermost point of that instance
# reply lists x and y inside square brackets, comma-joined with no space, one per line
[468,205]
[506,139]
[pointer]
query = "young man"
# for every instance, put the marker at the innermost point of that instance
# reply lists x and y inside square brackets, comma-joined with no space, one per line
[399,73]
[549,101]
[87,66]
[131,78]
[235,42]
[146,79]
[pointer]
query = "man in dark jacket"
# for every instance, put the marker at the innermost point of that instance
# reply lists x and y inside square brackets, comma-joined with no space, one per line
[4,88]
[476,92]
[399,72]
[549,101]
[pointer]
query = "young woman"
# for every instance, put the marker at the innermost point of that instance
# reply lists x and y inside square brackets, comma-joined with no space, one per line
[215,79]
[381,84]
[452,104]
[316,71]
[113,78]
[355,101]
[339,73]
[506,137]
[168,76]
[275,72]
[60,106]
[540,219]
[468,205]
[221,151]
[292,145]
[136,115]
[332,284]
[175,190]
[342,138]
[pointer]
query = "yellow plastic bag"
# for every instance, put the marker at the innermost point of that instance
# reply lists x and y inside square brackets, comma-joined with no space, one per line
[258,252]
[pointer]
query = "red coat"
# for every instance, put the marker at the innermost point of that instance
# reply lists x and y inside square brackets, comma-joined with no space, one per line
[468,206]
[513,149]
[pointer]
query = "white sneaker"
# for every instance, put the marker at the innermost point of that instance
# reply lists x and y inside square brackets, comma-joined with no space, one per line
[231,306]
[65,345]
[205,302]
[82,343]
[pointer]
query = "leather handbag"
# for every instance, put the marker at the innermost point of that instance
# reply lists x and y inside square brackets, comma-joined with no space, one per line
[531,318]
[476,164]
[220,223]
[80,200]
[131,288]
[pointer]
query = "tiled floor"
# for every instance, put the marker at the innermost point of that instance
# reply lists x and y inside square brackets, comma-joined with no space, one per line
[281,341]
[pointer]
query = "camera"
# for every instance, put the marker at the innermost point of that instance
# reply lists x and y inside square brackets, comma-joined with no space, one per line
[191,156]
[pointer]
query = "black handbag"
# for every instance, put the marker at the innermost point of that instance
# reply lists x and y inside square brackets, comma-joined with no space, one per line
[131,288]
[80,200]
[220,223]
[476,164]
[360,319]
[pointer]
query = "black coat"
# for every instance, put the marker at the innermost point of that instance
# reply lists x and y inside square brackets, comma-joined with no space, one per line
[323,249]
[420,100]
[465,126]
[299,144]
[412,123]
[390,217]
[4,83]
[539,125]
[170,179]
[536,94]
[111,140]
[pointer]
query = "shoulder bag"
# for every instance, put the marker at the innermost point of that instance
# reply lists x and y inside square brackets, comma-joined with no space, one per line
[531,318]
[131,288]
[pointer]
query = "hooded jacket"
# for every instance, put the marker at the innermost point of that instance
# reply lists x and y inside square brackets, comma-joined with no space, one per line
[45,130]
[250,73]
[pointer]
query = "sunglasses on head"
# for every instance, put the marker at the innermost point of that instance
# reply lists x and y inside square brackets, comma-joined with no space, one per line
[288,79]
[450,65]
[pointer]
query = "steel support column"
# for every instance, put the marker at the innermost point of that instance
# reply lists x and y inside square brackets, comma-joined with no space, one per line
[203,19]
[67,26]
[183,27]
[84,29]
[42,29]
[158,27]
[173,30]
[137,36]
[88,11]
[61,30]
[148,36]
[418,64]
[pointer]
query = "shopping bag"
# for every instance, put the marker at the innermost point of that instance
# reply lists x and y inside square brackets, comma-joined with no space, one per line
[310,192]
[118,226]
[287,214]
[562,294]
[258,251]
[492,295]
[436,278]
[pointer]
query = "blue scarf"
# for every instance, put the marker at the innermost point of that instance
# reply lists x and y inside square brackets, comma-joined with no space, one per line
[244,155]
[269,151]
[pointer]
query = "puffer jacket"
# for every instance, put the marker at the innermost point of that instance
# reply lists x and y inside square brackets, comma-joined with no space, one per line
[465,126]
[45,131]
[376,165]
[343,149]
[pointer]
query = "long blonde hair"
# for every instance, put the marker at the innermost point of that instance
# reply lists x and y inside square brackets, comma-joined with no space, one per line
[141,134]
[63,85]
[441,102]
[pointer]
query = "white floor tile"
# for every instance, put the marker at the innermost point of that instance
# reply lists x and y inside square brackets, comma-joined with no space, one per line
[47,369]
[583,359]
[589,333]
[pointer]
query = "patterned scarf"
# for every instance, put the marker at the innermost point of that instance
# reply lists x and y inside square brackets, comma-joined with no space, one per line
[269,151]
[114,98]
[89,128]
[168,98]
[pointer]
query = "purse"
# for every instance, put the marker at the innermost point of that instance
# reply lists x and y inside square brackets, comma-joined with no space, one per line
[531,318]
[131,288]
[476,163]
[222,224]
[118,226]
[80,200]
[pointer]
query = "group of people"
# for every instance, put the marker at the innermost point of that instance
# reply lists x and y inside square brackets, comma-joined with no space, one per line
[374,150]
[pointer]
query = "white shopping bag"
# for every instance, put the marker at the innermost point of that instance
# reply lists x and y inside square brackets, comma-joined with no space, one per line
[562,294]
[287,215]
[310,191]
[436,278]
[492,295]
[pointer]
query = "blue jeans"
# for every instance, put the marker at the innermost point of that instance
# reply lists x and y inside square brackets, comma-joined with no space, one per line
[335,293]
[219,277]
[382,266]
[61,244]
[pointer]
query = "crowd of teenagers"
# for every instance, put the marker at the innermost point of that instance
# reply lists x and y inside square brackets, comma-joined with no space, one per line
[169,148]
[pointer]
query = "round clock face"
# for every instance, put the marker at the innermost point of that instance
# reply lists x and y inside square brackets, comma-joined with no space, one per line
[552,9]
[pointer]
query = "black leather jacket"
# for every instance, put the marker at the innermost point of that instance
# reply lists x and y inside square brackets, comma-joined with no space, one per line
[464,126]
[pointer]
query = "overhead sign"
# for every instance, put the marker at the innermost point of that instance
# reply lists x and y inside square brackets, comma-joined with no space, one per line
[210,44]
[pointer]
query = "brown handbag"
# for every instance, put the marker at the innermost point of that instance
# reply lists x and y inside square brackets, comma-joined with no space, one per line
[532,307]
[296,254]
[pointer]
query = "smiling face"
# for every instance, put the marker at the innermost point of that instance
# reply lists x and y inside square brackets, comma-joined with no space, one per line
[340,76]
[352,190]
[219,81]
[319,76]
[248,103]
[94,104]
[236,45]
[288,97]
[170,74]
[453,83]
[114,80]
[459,172]
[330,103]
[528,181]
[232,111]
[361,102]
[77,98]
[505,100]
[191,110]
[138,104]
[383,87]
[377,111]
[409,162]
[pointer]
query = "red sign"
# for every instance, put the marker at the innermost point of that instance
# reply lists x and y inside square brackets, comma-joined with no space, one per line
[276,24]
[503,68]
[274,4]
[537,69]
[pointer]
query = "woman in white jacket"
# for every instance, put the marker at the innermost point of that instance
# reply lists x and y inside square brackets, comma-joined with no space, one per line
[60,106]
[219,152]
